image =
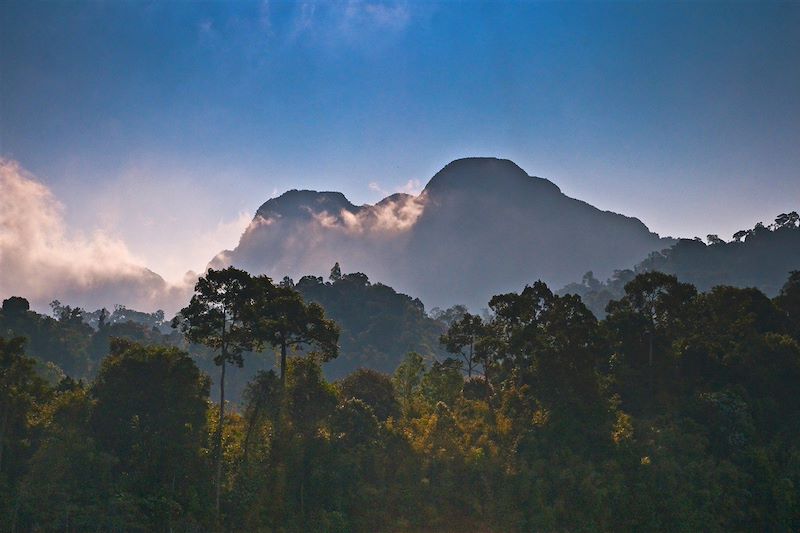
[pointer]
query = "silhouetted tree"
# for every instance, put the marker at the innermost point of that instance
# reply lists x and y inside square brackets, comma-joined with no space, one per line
[220,315]
[461,337]
[285,322]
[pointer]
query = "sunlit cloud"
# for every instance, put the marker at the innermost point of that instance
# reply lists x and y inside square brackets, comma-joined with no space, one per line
[375,187]
[391,215]
[42,260]
[412,186]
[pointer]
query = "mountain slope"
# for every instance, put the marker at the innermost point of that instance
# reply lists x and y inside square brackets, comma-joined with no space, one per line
[481,226]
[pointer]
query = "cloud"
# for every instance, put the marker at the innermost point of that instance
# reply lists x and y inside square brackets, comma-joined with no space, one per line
[40,259]
[313,236]
[350,22]
[412,186]
[380,15]
[225,233]
[394,214]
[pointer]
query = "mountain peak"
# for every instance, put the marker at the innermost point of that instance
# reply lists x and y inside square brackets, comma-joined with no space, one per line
[302,203]
[483,173]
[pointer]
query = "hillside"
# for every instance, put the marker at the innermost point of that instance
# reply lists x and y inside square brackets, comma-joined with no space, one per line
[761,257]
[378,325]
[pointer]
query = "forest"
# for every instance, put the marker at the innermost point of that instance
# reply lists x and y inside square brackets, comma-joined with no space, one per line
[676,411]
[758,257]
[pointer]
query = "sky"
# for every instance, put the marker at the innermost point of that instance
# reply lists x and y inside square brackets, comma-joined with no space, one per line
[162,126]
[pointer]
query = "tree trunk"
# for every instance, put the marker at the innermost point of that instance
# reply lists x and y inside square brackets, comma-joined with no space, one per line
[650,377]
[283,364]
[3,424]
[251,424]
[471,356]
[282,410]
[219,434]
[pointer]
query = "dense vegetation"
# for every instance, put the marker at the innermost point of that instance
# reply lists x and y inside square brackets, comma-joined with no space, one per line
[378,327]
[678,411]
[759,257]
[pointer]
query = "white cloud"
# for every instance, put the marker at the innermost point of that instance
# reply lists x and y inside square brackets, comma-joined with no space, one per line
[391,215]
[173,217]
[375,186]
[40,259]
[394,16]
[412,186]
[351,22]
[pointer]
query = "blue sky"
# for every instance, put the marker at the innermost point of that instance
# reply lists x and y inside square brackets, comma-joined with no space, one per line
[168,124]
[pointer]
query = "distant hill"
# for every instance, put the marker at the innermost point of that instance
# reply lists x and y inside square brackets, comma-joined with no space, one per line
[481,226]
[761,257]
[378,325]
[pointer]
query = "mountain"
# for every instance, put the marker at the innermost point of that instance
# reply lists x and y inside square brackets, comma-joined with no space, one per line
[761,257]
[481,226]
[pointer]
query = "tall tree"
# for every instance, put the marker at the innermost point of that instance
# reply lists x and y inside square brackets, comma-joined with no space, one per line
[284,321]
[219,316]
[655,310]
[461,337]
[660,300]
[261,400]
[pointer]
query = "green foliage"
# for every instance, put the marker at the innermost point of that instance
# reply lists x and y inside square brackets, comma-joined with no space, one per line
[126,454]
[283,320]
[676,412]
[461,337]
[374,389]
[21,389]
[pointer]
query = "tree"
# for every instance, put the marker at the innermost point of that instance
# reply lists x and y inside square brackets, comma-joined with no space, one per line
[460,339]
[336,273]
[220,315]
[407,379]
[655,310]
[547,349]
[787,220]
[449,315]
[150,413]
[442,382]
[16,306]
[659,299]
[374,389]
[262,398]
[69,485]
[19,389]
[283,320]
[740,235]
[789,302]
